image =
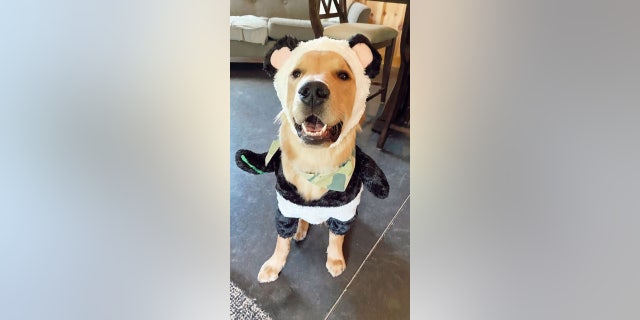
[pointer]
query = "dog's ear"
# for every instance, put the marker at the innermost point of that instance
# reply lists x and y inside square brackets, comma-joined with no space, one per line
[369,57]
[277,55]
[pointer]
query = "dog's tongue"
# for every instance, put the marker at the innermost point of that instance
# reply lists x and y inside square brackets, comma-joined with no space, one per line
[313,131]
[313,127]
[313,124]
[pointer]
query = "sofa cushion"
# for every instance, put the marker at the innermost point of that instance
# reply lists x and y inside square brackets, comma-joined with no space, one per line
[243,49]
[249,28]
[294,9]
[301,29]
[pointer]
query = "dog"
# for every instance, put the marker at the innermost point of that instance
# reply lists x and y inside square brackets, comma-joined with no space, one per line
[322,85]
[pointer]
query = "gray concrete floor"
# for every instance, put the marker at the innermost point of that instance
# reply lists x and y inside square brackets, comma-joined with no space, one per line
[375,284]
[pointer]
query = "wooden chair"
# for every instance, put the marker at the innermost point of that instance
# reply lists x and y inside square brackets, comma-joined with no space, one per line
[380,36]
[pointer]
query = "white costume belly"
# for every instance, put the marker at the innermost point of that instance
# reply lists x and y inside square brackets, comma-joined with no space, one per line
[316,215]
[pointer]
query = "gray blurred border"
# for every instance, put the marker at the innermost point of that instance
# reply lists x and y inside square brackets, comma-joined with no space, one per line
[525,160]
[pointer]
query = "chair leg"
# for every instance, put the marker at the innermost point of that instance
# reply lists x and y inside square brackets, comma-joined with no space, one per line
[386,70]
[388,118]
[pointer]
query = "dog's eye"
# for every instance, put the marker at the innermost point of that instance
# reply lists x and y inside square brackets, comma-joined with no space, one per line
[343,75]
[296,73]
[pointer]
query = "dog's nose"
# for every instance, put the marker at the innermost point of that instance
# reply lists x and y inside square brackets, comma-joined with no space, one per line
[314,93]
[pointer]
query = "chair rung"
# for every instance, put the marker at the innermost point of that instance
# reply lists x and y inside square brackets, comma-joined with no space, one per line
[377,93]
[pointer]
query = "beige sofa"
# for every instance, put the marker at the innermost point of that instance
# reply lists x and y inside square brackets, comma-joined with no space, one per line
[255,25]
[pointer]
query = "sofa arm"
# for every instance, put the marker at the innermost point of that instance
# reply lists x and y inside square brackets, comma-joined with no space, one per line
[358,12]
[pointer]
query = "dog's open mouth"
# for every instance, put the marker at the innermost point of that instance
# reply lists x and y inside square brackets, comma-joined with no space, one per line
[314,131]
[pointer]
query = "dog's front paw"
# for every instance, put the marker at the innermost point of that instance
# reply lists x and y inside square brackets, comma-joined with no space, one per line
[335,266]
[269,271]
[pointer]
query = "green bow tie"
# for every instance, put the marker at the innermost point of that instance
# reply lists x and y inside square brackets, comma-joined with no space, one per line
[336,181]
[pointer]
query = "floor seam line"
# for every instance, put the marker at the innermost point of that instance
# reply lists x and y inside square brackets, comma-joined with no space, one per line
[375,245]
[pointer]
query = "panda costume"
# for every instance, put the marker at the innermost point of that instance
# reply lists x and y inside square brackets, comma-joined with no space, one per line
[338,206]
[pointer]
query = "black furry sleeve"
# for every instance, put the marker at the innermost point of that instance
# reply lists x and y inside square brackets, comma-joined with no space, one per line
[252,162]
[372,176]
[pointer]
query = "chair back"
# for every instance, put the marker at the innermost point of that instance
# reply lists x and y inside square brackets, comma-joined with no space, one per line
[324,9]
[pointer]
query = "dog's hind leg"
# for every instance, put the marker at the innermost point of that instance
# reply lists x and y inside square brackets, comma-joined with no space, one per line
[272,267]
[335,258]
[301,233]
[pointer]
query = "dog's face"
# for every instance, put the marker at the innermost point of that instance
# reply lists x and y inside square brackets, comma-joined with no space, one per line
[321,93]
[321,97]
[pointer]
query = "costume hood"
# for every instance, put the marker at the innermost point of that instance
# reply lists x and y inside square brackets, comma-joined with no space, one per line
[359,54]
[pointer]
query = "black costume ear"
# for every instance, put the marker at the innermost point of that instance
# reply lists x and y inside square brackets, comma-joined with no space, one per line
[368,55]
[277,55]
